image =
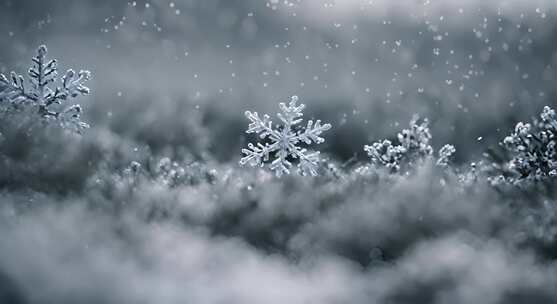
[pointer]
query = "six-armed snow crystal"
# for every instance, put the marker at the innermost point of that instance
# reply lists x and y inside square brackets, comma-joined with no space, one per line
[284,140]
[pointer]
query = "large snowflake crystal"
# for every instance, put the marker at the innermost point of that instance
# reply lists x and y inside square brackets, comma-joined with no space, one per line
[46,101]
[283,141]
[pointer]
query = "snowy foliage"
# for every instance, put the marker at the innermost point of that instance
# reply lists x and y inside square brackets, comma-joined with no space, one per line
[413,146]
[385,154]
[445,153]
[167,173]
[173,174]
[416,140]
[43,99]
[283,141]
[531,151]
[469,176]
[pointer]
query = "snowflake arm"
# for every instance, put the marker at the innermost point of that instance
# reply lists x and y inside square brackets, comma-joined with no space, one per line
[72,87]
[70,119]
[281,165]
[312,131]
[263,127]
[41,74]
[6,89]
[257,155]
[73,84]
[13,91]
[291,114]
[309,162]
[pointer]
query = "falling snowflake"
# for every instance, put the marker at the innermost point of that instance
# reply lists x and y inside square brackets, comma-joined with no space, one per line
[284,140]
[39,96]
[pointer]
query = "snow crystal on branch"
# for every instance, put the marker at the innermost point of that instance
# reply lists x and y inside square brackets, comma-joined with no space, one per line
[41,96]
[413,146]
[415,140]
[384,153]
[283,141]
[445,154]
[531,150]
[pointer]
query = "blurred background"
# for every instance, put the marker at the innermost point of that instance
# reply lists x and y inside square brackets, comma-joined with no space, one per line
[177,75]
[108,218]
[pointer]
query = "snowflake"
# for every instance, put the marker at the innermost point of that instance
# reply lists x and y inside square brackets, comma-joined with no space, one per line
[42,98]
[284,140]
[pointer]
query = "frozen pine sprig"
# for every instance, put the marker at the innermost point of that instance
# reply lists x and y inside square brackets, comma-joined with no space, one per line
[413,146]
[531,151]
[39,93]
[282,143]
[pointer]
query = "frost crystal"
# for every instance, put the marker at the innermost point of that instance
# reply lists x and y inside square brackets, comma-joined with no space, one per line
[414,146]
[284,140]
[43,99]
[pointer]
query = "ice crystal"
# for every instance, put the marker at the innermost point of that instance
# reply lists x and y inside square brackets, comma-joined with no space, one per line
[413,146]
[531,151]
[283,141]
[41,97]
